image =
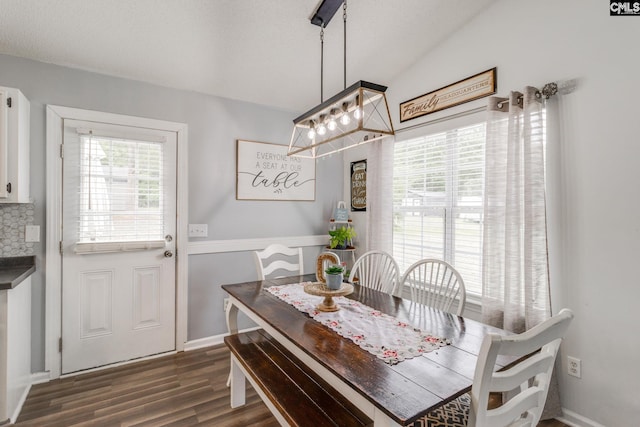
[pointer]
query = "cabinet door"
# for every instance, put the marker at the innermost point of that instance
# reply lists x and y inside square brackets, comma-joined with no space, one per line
[14,146]
[4,152]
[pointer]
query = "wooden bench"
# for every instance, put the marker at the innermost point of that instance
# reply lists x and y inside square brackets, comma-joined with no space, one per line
[295,395]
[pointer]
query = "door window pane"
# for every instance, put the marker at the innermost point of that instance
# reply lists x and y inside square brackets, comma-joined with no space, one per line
[121,190]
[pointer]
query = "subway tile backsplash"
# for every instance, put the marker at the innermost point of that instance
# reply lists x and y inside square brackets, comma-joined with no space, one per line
[13,218]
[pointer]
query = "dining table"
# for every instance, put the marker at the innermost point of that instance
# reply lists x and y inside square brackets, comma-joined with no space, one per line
[391,394]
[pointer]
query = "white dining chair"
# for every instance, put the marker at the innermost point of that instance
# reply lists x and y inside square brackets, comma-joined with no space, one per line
[436,283]
[526,380]
[376,270]
[276,259]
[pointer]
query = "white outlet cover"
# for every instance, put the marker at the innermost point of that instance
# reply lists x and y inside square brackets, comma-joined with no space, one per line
[31,233]
[574,367]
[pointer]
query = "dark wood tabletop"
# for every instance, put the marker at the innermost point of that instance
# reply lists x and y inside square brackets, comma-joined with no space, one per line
[405,391]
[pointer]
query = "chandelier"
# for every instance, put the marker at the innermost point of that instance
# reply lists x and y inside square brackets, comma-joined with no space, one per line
[357,115]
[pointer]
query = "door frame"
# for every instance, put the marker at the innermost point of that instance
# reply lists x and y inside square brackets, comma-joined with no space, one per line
[53,289]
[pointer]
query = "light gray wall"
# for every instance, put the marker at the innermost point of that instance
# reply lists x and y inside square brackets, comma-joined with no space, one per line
[594,233]
[214,125]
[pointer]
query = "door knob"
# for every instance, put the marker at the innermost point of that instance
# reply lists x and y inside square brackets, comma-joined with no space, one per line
[168,254]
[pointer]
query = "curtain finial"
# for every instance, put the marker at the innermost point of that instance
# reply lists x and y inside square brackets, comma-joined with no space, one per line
[549,90]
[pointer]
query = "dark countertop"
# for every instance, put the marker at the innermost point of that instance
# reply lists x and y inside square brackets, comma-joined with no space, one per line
[13,270]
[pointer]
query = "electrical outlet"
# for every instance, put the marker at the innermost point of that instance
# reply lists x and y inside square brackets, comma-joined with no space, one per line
[31,233]
[225,304]
[198,230]
[574,367]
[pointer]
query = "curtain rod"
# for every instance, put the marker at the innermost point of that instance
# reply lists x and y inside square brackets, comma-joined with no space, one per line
[548,90]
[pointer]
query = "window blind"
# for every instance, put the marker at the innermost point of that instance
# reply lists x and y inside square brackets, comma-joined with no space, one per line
[120,191]
[437,200]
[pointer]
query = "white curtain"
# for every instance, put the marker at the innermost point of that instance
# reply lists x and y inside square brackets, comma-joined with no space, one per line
[515,271]
[515,282]
[379,195]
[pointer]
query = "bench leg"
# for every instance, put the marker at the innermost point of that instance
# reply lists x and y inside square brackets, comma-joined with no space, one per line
[232,318]
[238,385]
[232,327]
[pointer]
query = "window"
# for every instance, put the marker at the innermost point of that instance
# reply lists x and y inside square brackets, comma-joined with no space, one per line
[438,183]
[121,190]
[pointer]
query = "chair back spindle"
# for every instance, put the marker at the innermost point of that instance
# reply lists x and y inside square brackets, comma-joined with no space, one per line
[376,270]
[437,284]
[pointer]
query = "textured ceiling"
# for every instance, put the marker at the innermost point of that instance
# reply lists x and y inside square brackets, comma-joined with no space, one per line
[261,51]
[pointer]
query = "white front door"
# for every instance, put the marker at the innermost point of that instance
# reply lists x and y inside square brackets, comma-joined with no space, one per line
[118,245]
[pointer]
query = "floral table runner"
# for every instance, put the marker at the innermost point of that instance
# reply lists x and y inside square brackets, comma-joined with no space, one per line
[380,334]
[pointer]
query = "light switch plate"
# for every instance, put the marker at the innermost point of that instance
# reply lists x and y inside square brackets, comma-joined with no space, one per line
[31,233]
[198,230]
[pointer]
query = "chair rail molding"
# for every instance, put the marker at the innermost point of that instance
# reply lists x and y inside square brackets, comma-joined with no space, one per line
[242,245]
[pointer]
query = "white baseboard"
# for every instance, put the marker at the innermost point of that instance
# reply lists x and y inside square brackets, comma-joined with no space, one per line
[212,340]
[573,419]
[40,377]
[36,378]
[23,399]
[204,342]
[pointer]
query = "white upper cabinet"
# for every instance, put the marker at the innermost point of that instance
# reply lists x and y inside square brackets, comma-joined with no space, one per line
[14,146]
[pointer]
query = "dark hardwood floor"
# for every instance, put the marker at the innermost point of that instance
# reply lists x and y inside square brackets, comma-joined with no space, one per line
[185,389]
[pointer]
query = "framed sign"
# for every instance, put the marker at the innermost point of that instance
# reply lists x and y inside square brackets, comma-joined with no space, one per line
[474,87]
[359,186]
[265,172]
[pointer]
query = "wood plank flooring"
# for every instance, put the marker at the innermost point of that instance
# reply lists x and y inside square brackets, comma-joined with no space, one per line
[186,389]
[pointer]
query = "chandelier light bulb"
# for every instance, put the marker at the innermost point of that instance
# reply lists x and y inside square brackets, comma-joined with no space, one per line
[357,113]
[312,130]
[331,123]
[321,128]
[345,119]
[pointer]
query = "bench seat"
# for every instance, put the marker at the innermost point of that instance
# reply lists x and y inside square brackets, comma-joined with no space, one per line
[295,395]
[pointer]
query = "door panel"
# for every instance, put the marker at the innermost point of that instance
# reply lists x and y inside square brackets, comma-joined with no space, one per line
[96,291]
[119,220]
[146,297]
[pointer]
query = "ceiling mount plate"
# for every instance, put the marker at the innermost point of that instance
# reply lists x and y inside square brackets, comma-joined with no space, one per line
[325,12]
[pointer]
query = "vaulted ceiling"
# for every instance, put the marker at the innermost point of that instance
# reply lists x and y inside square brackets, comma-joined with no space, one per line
[261,51]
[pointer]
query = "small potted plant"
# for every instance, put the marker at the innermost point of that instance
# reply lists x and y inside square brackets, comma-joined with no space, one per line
[340,237]
[334,276]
